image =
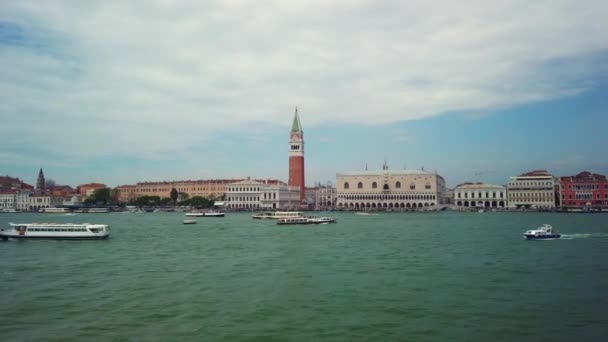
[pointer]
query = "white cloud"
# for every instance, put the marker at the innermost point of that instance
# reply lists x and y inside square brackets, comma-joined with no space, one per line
[132,77]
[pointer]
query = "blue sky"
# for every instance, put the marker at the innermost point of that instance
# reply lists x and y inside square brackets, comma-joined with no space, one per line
[120,92]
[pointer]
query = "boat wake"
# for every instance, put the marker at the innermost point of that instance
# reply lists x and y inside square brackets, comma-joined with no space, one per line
[584,236]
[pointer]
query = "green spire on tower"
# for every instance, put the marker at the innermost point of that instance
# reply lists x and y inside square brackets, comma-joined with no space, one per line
[296,126]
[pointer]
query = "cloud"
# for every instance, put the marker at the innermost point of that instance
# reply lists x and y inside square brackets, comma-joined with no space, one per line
[149,77]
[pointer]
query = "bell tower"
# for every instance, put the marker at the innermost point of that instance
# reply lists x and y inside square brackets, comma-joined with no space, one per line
[296,156]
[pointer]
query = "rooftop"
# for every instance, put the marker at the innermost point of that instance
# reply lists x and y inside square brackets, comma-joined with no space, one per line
[478,185]
[389,172]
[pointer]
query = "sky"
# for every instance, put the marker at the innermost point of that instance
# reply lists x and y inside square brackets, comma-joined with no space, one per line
[125,91]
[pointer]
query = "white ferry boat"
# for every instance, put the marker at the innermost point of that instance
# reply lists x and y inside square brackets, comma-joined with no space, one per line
[543,232]
[206,214]
[54,210]
[306,220]
[277,215]
[62,231]
[8,210]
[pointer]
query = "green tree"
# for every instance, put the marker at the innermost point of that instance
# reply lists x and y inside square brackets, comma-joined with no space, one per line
[183,196]
[174,195]
[102,196]
[166,200]
[114,196]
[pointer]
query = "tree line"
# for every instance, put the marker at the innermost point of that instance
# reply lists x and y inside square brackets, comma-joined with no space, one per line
[107,196]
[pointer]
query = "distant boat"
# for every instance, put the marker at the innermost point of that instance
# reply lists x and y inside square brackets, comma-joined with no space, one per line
[543,232]
[69,214]
[481,211]
[189,221]
[306,220]
[363,213]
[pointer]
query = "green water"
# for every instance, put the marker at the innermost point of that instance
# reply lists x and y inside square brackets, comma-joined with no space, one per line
[391,277]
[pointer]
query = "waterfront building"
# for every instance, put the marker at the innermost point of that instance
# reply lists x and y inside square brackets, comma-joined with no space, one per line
[532,190]
[126,193]
[480,195]
[296,156]
[389,189]
[8,200]
[586,190]
[64,191]
[213,188]
[261,194]
[40,183]
[38,202]
[86,190]
[325,197]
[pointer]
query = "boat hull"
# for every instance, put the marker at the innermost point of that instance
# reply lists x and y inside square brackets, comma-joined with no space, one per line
[541,237]
[30,237]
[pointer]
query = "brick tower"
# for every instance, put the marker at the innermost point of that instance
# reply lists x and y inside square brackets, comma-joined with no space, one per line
[296,156]
[40,183]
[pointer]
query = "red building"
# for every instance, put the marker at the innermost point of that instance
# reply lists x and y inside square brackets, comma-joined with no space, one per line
[296,156]
[585,190]
[61,191]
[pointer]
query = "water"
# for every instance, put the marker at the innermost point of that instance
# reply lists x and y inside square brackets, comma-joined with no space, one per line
[391,277]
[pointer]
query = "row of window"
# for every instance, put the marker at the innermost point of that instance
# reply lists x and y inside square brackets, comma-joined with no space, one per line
[479,194]
[586,187]
[385,205]
[532,199]
[386,186]
[56,230]
[529,183]
[242,189]
[388,197]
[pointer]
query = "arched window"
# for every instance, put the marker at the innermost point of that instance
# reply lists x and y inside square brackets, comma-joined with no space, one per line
[427,185]
[374,185]
[398,185]
[412,186]
[346,185]
[360,185]
[385,187]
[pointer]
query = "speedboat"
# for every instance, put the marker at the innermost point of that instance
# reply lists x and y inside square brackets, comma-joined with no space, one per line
[543,232]
[306,220]
[61,231]
[189,221]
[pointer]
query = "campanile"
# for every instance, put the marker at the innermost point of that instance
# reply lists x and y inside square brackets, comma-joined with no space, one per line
[296,156]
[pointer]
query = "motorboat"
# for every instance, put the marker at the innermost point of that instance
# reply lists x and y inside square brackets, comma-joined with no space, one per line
[543,232]
[54,210]
[189,221]
[277,215]
[60,231]
[306,220]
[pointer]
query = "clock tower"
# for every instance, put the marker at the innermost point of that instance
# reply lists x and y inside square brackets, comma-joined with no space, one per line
[296,156]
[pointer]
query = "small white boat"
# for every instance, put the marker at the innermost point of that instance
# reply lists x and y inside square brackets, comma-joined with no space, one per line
[189,221]
[60,231]
[543,232]
[69,214]
[363,213]
[481,211]
[306,220]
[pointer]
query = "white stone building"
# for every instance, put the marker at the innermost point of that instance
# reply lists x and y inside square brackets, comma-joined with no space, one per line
[253,195]
[389,189]
[532,190]
[325,197]
[480,195]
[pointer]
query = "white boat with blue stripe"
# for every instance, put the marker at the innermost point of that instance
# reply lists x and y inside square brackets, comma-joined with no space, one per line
[543,232]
